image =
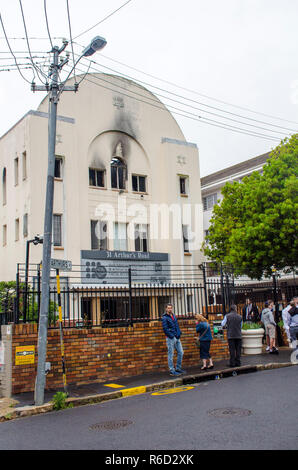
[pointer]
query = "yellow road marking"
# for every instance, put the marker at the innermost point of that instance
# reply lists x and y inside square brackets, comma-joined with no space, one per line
[173,390]
[114,385]
[133,391]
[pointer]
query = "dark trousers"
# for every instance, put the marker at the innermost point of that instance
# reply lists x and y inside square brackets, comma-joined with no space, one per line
[235,351]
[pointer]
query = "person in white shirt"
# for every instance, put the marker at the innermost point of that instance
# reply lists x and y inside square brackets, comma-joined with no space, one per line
[286,317]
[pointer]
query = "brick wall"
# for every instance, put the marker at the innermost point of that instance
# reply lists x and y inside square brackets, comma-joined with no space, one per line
[100,354]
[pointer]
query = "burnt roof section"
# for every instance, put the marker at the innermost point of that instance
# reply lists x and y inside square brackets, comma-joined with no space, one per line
[234,169]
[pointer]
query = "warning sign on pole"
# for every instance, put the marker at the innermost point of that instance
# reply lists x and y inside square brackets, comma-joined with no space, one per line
[25,355]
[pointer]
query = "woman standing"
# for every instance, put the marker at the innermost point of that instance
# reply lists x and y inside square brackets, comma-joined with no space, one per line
[205,337]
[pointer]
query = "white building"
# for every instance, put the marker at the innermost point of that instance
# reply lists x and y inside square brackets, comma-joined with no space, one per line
[120,163]
[211,185]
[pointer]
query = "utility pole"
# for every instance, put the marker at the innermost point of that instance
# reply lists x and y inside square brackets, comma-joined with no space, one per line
[54,89]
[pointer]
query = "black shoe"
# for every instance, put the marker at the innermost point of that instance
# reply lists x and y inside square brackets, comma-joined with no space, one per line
[231,365]
[274,351]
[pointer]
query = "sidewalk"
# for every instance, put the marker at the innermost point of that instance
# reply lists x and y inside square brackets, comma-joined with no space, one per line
[23,404]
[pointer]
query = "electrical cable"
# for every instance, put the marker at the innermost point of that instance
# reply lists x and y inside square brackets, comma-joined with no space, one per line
[190,115]
[201,118]
[196,92]
[194,101]
[29,50]
[104,19]
[210,112]
[71,41]
[47,23]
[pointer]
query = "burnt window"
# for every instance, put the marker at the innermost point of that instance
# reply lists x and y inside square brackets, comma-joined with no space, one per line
[118,173]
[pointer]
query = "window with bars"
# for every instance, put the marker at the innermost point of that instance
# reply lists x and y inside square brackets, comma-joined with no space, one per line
[141,237]
[139,183]
[99,240]
[209,201]
[57,230]
[96,178]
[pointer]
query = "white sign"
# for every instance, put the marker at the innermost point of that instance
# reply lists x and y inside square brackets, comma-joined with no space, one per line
[61,264]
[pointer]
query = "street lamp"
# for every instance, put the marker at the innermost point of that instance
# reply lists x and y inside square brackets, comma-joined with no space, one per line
[96,44]
[55,89]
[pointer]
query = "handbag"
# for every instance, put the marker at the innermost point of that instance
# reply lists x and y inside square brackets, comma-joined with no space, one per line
[199,338]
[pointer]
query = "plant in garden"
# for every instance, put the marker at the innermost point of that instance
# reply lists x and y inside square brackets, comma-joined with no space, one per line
[251,326]
[254,226]
[59,401]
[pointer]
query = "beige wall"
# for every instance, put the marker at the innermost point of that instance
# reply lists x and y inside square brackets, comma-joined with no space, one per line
[153,145]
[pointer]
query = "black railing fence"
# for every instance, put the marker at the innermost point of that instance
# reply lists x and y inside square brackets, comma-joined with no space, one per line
[96,296]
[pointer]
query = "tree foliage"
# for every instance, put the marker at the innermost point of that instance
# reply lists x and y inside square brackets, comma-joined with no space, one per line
[254,226]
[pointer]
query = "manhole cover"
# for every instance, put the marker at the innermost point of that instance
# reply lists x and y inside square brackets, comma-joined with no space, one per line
[223,412]
[109,425]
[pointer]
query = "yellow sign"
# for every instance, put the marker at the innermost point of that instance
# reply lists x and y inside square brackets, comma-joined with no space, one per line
[25,355]
[173,390]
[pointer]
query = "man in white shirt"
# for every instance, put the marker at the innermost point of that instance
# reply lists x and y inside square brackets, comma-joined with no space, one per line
[286,320]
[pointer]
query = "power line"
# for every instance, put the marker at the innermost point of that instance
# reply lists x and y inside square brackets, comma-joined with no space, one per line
[104,19]
[47,23]
[8,44]
[180,112]
[179,102]
[209,112]
[196,92]
[27,40]
[71,41]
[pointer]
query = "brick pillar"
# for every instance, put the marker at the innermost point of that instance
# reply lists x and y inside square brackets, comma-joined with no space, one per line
[6,361]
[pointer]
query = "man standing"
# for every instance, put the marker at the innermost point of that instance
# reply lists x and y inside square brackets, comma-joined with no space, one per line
[233,323]
[173,333]
[293,323]
[250,312]
[286,318]
[268,321]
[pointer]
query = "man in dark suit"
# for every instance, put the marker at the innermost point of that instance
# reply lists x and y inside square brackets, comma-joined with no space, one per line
[250,312]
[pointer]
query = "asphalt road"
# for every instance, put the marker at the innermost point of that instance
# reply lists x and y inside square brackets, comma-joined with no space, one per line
[253,411]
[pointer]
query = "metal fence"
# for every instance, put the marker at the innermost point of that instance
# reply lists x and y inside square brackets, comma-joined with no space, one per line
[98,302]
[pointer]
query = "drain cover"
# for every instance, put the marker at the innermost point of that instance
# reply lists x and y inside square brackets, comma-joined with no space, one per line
[223,412]
[109,425]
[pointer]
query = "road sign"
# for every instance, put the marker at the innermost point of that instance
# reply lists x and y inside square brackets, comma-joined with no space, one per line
[61,264]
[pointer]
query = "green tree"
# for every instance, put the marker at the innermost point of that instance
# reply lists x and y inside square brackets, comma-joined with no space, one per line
[8,292]
[254,226]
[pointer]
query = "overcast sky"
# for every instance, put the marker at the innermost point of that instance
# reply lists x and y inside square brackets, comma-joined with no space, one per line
[237,52]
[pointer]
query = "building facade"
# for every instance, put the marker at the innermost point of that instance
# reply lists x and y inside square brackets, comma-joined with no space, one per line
[127,185]
[212,184]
